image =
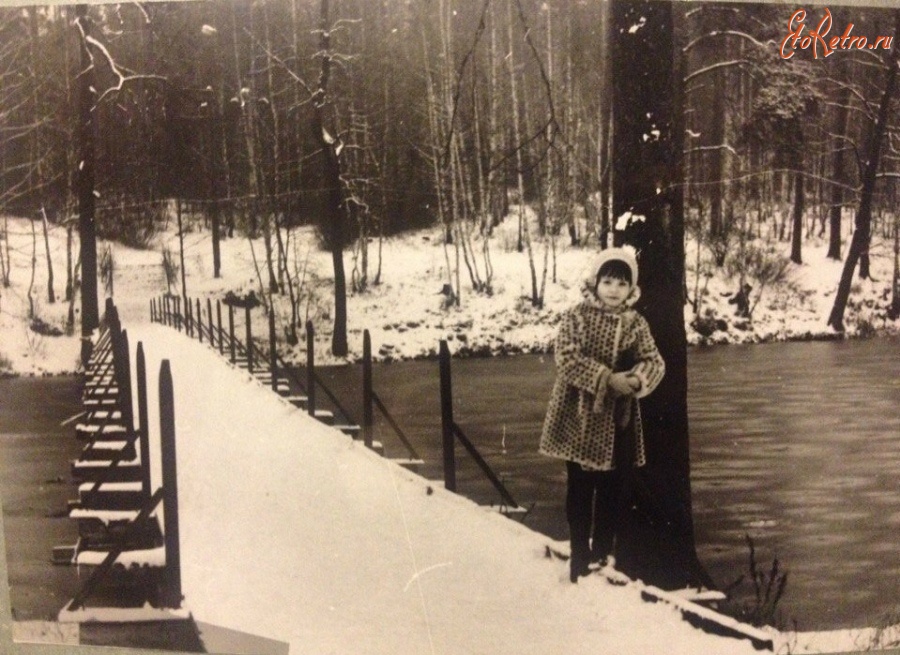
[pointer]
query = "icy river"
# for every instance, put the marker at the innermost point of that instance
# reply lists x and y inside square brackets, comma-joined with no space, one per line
[795,444]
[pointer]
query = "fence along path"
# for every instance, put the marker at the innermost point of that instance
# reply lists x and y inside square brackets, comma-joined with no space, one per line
[265,364]
[302,390]
[133,559]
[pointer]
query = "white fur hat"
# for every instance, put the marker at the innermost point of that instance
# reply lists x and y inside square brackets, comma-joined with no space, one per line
[624,254]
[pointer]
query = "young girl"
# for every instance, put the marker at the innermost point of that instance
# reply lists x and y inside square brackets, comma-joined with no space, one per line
[605,358]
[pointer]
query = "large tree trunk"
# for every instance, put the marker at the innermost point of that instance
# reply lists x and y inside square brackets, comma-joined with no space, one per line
[859,244]
[334,207]
[717,163]
[647,101]
[51,294]
[90,315]
[216,168]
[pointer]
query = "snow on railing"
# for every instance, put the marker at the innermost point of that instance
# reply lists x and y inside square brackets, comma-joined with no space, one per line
[119,524]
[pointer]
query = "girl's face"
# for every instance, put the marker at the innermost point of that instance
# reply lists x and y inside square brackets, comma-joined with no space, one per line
[613,291]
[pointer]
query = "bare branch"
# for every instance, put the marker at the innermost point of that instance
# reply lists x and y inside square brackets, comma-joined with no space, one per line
[713,67]
[717,33]
[117,71]
[723,146]
[287,69]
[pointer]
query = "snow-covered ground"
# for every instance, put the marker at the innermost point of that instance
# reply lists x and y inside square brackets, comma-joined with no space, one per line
[406,313]
[294,532]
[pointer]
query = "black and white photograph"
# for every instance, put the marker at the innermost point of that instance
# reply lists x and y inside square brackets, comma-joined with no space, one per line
[449,327]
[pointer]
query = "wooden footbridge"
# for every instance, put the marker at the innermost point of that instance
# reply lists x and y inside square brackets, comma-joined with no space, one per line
[216,327]
[128,536]
[129,531]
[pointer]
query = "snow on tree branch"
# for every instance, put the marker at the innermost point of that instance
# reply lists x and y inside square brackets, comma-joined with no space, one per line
[121,74]
[717,33]
[713,67]
[722,146]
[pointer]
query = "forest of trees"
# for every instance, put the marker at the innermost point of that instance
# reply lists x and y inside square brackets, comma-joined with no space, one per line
[368,118]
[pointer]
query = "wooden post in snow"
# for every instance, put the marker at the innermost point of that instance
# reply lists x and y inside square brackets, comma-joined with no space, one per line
[367,389]
[310,369]
[199,322]
[447,418]
[122,370]
[144,427]
[219,322]
[171,592]
[231,332]
[209,316]
[249,329]
[273,355]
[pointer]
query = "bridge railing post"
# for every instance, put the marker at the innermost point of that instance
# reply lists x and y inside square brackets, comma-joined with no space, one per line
[368,421]
[249,329]
[172,577]
[231,343]
[273,355]
[310,369]
[219,322]
[209,317]
[143,422]
[122,370]
[199,322]
[447,425]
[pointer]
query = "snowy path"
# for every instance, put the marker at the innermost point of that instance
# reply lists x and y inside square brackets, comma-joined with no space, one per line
[291,531]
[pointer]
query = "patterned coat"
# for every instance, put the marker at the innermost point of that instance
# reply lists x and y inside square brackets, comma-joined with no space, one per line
[581,419]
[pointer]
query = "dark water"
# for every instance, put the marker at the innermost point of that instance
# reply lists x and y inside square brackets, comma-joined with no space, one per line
[796,445]
[35,451]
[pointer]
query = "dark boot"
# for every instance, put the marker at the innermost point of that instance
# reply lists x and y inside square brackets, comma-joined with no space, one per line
[579,564]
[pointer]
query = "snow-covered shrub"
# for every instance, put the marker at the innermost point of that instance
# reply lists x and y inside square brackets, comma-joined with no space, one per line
[107,269]
[865,328]
[709,323]
[759,608]
[43,328]
[886,633]
[134,224]
[761,266]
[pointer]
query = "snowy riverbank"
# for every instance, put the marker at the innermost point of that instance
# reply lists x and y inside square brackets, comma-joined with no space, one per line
[406,313]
